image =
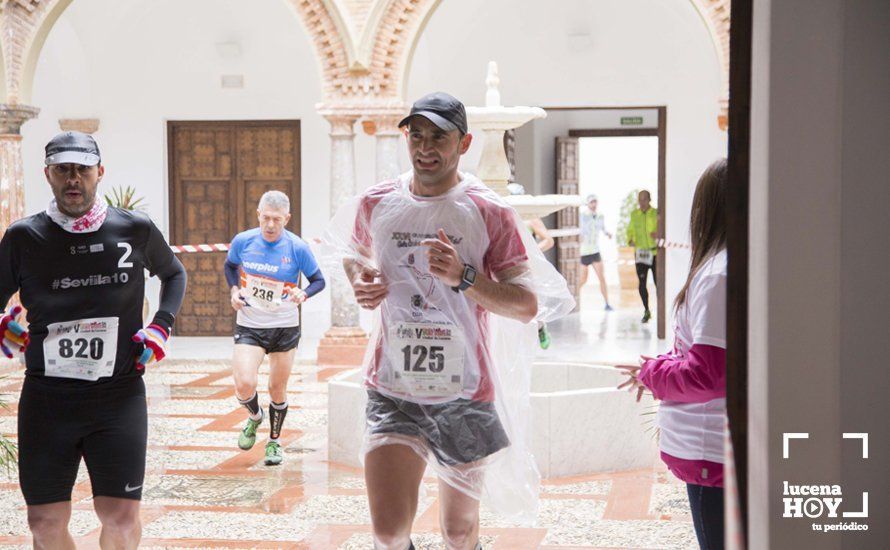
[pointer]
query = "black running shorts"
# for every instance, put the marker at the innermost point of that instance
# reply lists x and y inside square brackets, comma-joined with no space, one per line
[273,340]
[58,425]
[589,259]
[458,432]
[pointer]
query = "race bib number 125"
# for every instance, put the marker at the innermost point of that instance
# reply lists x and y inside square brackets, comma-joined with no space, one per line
[427,359]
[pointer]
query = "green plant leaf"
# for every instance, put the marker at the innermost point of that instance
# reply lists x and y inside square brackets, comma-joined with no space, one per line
[125,198]
[628,205]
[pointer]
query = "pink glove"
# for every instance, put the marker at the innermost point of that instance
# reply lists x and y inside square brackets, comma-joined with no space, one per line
[14,336]
[154,338]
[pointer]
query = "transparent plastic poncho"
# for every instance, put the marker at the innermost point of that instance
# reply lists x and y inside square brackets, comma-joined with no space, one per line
[445,377]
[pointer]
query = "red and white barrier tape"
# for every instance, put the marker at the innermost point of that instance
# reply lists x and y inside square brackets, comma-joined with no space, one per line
[661,243]
[224,247]
[568,232]
[192,248]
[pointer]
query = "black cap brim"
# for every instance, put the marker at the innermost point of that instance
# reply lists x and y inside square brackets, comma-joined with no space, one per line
[436,119]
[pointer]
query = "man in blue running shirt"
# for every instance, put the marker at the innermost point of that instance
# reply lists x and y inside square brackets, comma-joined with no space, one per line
[263,270]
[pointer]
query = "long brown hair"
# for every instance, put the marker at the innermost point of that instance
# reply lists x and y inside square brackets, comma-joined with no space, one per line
[707,221]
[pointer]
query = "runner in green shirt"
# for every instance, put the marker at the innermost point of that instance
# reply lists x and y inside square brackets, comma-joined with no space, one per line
[642,232]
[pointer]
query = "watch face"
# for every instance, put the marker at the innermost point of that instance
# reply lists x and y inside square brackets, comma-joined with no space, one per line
[470,275]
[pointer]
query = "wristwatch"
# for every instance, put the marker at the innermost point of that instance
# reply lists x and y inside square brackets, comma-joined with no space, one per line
[467,279]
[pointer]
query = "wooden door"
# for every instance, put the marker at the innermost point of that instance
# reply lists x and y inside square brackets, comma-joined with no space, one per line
[568,248]
[218,171]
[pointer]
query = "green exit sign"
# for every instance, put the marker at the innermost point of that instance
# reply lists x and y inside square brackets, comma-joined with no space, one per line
[631,121]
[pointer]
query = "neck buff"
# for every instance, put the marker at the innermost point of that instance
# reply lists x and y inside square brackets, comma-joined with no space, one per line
[89,222]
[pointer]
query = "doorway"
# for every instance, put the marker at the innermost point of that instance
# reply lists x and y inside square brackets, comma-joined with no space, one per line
[218,170]
[615,163]
[615,169]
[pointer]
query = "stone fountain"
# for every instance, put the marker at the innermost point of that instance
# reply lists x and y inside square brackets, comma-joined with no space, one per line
[493,121]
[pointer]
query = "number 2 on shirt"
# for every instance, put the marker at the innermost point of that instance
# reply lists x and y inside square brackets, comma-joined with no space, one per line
[123,263]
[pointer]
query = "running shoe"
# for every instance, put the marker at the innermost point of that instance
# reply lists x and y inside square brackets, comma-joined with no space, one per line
[544,336]
[609,308]
[274,455]
[248,434]
[647,316]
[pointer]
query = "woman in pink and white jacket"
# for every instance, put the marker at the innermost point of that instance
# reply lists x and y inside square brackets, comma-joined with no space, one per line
[690,381]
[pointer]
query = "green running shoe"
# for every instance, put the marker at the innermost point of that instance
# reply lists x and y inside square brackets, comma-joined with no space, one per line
[248,434]
[544,336]
[647,316]
[274,455]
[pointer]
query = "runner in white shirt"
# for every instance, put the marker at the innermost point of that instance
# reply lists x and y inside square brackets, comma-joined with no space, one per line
[592,224]
[446,250]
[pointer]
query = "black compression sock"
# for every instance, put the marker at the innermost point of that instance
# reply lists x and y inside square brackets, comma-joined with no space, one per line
[277,412]
[252,404]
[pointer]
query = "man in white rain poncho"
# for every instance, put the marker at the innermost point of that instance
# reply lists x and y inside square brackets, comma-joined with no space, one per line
[435,252]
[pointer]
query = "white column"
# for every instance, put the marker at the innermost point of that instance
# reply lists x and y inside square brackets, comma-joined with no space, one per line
[388,140]
[344,310]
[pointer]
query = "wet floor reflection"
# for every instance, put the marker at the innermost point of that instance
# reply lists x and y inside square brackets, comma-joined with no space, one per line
[200,490]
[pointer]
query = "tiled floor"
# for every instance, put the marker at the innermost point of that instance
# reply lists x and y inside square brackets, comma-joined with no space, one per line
[201,491]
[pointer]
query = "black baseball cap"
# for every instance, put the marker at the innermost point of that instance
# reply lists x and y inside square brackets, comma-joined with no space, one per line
[73,147]
[443,110]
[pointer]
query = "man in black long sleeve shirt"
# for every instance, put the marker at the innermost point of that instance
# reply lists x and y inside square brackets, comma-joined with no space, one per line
[79,268]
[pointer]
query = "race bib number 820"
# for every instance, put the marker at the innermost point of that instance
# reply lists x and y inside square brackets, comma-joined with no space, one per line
[85,349]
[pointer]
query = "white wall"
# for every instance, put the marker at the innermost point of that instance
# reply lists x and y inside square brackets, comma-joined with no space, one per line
[136,64]
[818,290]
[865,298]
[587,53]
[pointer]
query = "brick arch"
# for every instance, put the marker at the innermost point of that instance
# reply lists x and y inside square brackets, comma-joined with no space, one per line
[334,48]
[715,14]
[405,19]
[25,24]
[364,47]
[400,26]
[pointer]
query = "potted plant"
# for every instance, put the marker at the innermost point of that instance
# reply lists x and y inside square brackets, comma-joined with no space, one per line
[627,273]
[125,198]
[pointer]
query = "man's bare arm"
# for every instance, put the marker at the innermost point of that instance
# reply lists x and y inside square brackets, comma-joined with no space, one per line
[504,298]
